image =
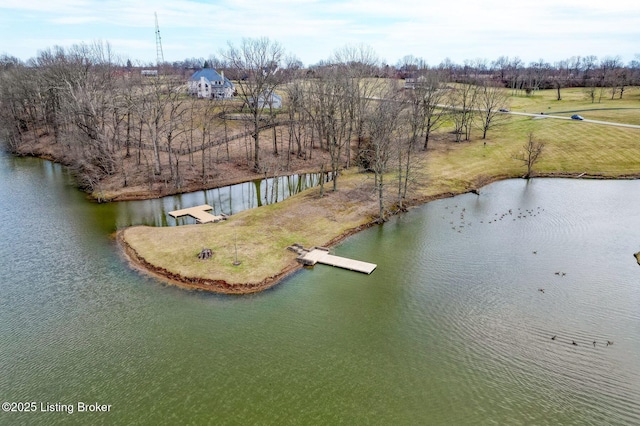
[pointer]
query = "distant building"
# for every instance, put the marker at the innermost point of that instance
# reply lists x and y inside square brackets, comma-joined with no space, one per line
[207,83]
[269,101]
[411,82]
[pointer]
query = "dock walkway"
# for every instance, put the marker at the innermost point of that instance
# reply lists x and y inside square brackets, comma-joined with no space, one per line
[199,213]
[321,255]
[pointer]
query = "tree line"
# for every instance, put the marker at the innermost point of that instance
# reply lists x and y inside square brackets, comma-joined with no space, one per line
[105,119]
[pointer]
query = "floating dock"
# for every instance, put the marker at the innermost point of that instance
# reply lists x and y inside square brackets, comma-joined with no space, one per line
[199,213]
[321,255]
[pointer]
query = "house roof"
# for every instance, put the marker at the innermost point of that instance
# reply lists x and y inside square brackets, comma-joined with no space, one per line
[272,97]
[211,75]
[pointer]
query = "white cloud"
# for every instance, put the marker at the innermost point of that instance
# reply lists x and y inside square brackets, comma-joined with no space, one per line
[459,29]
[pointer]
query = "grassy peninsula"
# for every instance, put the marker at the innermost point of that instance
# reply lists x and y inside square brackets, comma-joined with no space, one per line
[572,149]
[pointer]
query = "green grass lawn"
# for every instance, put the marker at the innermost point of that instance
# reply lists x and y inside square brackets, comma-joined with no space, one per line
[577,101]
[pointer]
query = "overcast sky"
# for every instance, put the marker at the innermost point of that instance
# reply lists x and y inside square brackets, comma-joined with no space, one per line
[312,29]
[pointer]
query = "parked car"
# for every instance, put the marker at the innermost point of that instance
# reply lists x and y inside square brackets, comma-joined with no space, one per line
[503,110]
[576,117]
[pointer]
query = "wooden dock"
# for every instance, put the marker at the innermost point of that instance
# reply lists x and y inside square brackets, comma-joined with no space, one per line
[199,213]
[321,255]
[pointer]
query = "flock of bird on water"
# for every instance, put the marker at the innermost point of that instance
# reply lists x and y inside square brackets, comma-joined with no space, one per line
[520,214]
[573,342]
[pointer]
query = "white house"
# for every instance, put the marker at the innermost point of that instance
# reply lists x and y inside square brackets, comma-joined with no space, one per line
[207,83]
[414,82]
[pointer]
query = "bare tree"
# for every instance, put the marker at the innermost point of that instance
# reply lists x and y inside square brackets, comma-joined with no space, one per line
[256,62]
[17,94]
[621,80]
[500,66]
[616,78]
[88,100]
[382,124]
[428,109]
[173,128]
[531,154]
[360,63]
[634,69]
[406,147]
[515,68]
[589,80]
[491,99]
[130,95]
[332,113]
[537,73]
[607,74]
[207,116]
[561,77]
[151,113]
[296,100]
[464,100]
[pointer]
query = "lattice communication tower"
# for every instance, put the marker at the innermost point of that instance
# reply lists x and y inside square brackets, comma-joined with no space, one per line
[159,53]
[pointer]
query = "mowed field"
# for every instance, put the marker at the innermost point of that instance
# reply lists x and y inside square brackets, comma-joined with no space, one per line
[572,148]
[578,101]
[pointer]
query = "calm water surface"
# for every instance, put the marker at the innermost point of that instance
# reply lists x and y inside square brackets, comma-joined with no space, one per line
[227,200]
[450,329]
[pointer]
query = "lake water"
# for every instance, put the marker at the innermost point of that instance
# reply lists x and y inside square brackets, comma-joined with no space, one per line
[451,328]
[227,200]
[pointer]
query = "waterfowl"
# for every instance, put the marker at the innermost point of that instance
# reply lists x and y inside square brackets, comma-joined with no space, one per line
[553,338]
[609,342]
[573,342]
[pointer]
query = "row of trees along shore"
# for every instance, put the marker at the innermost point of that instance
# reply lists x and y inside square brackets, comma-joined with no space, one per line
[109,122]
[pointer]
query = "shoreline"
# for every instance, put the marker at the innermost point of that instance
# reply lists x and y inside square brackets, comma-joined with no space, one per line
[139,263]
[448,185]
[110,192]
[145,194]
